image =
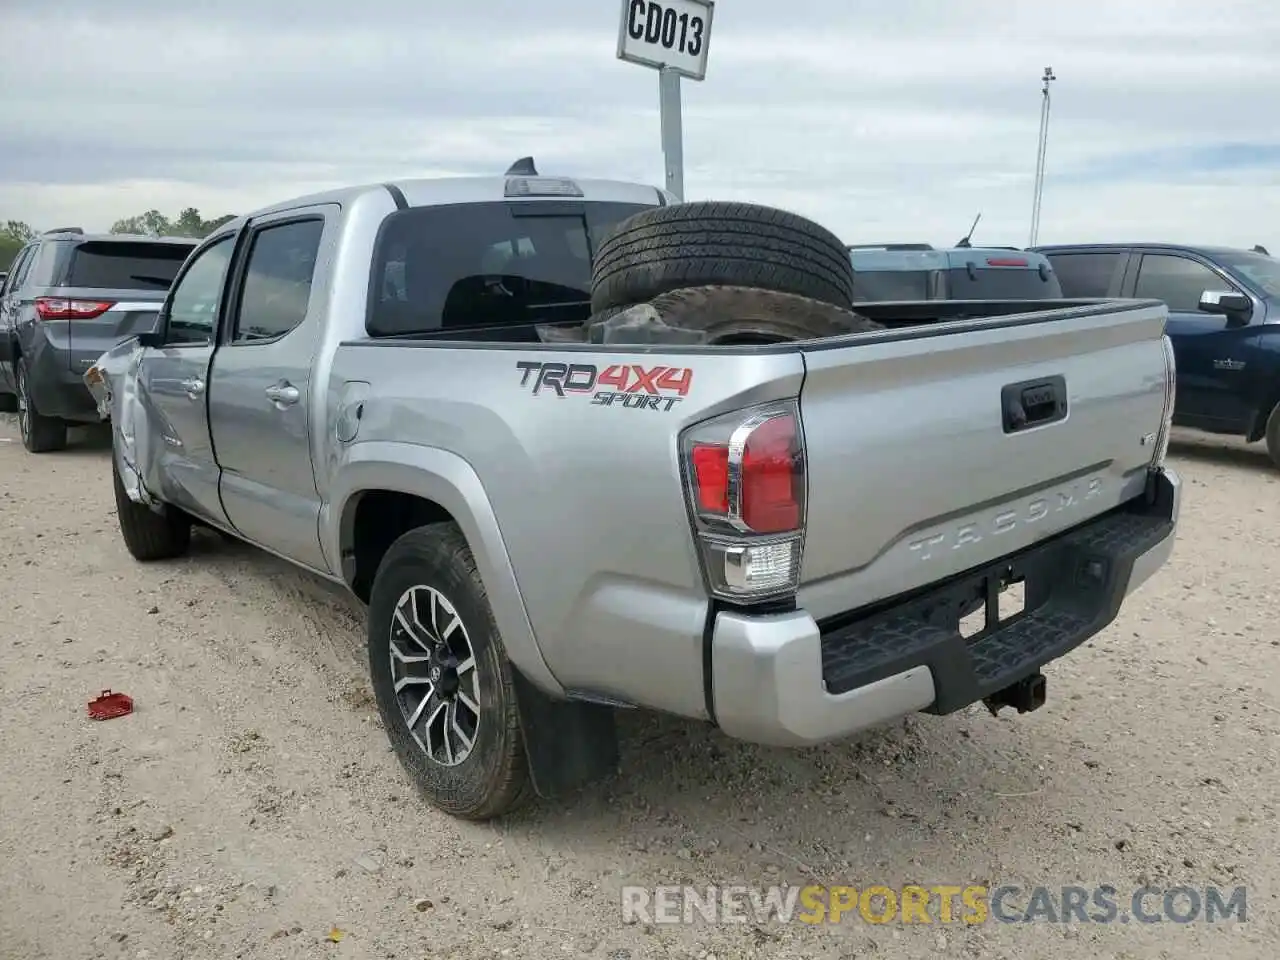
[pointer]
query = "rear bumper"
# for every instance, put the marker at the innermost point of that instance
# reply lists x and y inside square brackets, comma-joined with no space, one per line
[56,389]
[786,680]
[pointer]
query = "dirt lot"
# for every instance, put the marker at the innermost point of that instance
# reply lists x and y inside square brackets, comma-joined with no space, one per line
[251,805]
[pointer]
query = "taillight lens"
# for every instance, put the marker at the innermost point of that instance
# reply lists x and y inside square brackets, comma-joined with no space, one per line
[745,475]
[59,308]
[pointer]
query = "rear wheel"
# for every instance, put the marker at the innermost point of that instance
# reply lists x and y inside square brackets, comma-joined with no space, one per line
[441,678]
[40,434]
[1273,435]
[149,535]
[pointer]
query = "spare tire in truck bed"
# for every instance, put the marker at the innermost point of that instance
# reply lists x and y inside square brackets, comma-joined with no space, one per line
[719,243]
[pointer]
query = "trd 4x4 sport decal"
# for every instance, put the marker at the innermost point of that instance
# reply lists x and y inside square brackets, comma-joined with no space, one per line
[630,385]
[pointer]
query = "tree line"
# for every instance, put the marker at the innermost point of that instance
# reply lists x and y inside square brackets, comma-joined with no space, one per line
[14,234]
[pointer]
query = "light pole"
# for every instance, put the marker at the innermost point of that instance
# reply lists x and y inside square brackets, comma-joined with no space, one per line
[1038,189]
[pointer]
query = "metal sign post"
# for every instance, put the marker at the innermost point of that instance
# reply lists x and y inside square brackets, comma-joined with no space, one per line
[672,37]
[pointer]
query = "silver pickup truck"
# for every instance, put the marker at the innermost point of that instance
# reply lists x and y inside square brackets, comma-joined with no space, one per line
[779,538]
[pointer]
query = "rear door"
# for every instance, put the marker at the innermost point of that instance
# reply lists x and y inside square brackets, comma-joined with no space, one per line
[173,381]
[121,285]
[262,396]
[1214,357]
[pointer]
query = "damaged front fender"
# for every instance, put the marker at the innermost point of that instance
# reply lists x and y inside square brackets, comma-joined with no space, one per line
[113,382]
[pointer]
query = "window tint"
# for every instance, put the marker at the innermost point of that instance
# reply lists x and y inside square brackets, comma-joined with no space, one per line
[1177,281]
[277,283]
[1002,283]
[17,269]
[477,264]
[114,265]
[1085,275]
[888,285]
[193,308]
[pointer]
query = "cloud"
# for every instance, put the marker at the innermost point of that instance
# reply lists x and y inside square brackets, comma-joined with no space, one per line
[896,121]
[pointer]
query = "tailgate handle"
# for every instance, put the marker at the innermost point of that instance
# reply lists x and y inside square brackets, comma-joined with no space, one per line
[1033,403]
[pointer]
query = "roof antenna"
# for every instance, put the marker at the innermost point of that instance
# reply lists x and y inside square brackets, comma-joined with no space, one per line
[965,243]
[1259,248]
[523,168]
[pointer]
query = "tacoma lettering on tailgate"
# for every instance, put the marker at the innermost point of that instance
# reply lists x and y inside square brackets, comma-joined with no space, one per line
[629,385]
[1066,500]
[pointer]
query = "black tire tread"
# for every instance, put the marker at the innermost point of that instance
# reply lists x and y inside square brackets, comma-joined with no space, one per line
[715,242]
[734,311]
[44,434]
[443,546]
[148,535]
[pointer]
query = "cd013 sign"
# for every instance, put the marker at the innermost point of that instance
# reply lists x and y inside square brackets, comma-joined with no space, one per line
[669,35]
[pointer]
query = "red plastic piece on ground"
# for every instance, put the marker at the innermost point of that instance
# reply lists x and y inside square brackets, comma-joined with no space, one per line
[110,705]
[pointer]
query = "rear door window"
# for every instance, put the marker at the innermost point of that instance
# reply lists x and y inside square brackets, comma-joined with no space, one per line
[1088,275]
[277,283]
[475,265]
[17,271]
[129,265]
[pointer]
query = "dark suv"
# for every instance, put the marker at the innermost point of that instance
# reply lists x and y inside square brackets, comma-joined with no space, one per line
[1224,323]
[69,297]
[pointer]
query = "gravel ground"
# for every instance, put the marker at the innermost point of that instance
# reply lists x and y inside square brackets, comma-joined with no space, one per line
[251,806]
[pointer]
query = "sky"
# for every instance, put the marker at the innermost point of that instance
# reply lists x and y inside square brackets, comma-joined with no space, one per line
[883,121]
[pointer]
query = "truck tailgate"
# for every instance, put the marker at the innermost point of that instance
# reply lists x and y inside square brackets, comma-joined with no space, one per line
[915,474]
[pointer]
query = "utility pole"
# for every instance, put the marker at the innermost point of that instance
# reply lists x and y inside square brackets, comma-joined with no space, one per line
[1038,189]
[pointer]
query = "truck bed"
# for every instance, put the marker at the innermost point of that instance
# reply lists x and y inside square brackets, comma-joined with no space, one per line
[911,474]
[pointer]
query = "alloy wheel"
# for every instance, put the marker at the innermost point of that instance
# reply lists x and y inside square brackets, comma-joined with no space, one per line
[434,675]
[24,403]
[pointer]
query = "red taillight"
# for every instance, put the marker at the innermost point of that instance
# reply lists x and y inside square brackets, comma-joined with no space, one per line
[745,478]
[59,308]
[769,500]
[769,488]
[711,473]
[1006,262]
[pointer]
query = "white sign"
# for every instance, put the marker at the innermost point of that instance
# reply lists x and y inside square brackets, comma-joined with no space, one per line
[674,34]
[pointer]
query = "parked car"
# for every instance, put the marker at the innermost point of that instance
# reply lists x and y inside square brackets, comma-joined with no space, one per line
[70,296]
[1224,321]
[780,538]
[888,272]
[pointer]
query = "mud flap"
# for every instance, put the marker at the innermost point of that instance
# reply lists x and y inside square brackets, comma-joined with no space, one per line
[569,744]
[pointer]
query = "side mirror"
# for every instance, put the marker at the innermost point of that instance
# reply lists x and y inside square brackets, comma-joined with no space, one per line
[1236,307]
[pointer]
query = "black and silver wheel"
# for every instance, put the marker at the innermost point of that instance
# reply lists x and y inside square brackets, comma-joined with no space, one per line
[441,677]
[40,434]
[434,674]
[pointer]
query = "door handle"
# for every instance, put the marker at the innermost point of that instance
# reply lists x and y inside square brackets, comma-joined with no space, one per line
[285,393]
[1034,403]
[193,387]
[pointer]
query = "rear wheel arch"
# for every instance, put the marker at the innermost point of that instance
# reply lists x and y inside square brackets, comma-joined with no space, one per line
[387,491]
